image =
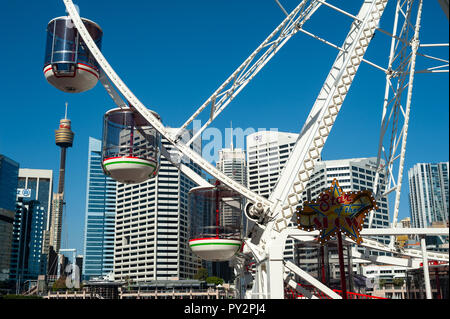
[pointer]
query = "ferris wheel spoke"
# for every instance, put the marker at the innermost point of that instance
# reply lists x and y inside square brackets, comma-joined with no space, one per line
[150,117]
[250,67]
[292,182]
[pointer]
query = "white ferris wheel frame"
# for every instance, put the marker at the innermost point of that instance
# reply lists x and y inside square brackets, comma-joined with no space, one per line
[277,211]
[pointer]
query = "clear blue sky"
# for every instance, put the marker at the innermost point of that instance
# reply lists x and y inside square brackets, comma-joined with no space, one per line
[174,54]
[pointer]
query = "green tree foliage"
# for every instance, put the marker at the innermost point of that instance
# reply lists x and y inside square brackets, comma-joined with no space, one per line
[214,280]
[202,274]
[59,284]
[398,282]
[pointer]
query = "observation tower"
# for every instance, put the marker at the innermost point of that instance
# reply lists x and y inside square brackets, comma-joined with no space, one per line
[64,139]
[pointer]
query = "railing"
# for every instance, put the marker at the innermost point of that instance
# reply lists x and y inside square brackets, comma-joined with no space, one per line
[354,295]
[292,294]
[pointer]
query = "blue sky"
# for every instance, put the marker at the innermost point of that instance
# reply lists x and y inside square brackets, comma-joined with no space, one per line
[173,55]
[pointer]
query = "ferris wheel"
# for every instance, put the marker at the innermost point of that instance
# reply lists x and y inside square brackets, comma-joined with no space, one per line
[74,63]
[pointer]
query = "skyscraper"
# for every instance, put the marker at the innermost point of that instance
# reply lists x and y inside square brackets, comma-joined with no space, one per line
[40,184]
[233,164]
[267,154]
[352,175]
[100,216]
[9,172]
[428,193]
[36,185]
[151,225]
[28,232]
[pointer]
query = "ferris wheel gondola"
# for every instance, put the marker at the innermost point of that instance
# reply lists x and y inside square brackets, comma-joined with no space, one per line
[69,66]
[215,227]
[131,147]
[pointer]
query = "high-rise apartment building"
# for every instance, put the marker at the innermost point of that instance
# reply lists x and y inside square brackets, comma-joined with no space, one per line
[9,172]
[267,154]
[428,193]
[99,224]
[151,241]
[352,175]
[233,164]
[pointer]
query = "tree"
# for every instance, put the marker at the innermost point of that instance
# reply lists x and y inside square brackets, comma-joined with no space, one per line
[202,274]
[214,280]
[398,282]
[59,284]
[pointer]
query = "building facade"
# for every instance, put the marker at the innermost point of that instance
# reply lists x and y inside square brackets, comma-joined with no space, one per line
[9,174]
[100,215]
[39,182]
[267,154]
[27,262]
[428,194]
[352,175]
[151,227]
[232,162]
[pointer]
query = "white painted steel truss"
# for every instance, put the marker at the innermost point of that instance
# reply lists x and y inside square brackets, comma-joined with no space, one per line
[400,73]
[267,249]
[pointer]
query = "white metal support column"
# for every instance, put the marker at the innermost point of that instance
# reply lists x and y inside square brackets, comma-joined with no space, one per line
[275,266]
[426,273]
[295,175]
[401,67]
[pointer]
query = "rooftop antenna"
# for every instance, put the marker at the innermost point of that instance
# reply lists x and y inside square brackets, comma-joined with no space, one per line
[65,114]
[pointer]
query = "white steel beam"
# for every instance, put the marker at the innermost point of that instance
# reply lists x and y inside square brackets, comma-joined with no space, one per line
[313,281]
[403,262]
[308,294]
[148,115]
[426,273]
[232,86]
[307,150]
[373,244]
[402,57]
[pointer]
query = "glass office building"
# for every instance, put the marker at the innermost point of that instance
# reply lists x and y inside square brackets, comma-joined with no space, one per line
[26,250]
[100,216]
[9,172]
[428,194]
[39,185]
[31,220]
